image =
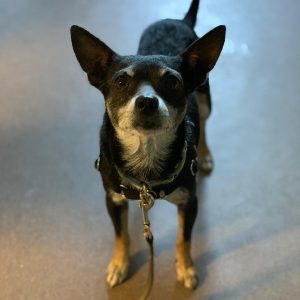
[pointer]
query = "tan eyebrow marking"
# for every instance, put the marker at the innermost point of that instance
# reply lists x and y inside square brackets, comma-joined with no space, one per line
[130,71]
[163,71]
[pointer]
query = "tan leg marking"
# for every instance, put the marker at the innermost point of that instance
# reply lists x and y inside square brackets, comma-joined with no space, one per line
[186,271]
[117,269]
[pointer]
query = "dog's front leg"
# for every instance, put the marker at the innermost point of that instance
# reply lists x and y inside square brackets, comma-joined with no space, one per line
[118,267]
[186,272]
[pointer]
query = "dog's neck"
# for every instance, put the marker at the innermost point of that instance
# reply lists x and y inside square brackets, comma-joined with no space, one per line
[145,155]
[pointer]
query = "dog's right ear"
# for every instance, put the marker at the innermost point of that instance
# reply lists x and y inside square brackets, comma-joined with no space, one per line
[92,54]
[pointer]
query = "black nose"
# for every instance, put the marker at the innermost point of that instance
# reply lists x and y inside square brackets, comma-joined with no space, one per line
[146,104]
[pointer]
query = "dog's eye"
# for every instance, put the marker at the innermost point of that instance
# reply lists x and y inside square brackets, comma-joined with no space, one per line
[173,82]
[121,82]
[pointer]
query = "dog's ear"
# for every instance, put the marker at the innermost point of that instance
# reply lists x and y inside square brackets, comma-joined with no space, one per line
[92,54]
[201,56]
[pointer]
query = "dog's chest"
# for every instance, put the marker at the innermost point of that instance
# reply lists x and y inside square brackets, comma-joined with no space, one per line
[143,154]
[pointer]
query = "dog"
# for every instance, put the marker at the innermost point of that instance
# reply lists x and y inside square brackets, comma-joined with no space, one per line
[153,131]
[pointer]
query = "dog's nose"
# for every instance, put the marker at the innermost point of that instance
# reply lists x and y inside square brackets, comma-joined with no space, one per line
[146,104]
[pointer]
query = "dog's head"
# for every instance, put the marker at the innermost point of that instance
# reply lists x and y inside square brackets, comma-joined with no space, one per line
[146,93]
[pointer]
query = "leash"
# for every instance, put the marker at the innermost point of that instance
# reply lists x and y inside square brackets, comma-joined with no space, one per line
[145,203]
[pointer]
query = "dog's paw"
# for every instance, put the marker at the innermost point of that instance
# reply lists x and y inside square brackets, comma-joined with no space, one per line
[188,276]
[205,163]
[116,272]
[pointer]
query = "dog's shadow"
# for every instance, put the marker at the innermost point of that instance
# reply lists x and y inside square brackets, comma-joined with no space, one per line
[137,261]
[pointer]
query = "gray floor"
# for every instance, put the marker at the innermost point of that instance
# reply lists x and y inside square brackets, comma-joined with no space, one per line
[55,235]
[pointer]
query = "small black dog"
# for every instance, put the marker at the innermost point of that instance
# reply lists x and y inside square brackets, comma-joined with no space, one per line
[153,131]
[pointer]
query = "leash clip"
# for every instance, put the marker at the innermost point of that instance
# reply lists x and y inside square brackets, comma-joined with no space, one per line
[145,203]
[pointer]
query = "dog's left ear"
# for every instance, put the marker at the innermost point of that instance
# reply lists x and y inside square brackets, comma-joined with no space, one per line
[93,55]
[201,56]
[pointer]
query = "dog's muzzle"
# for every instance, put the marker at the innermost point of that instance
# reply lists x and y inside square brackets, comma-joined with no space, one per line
[146,105]
[147,115]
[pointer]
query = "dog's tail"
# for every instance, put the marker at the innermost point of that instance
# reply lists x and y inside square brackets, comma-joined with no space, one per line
[191,16]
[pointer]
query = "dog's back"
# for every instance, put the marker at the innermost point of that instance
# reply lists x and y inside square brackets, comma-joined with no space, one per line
[170,37]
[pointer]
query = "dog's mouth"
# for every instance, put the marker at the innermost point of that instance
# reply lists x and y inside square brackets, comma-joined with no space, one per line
[143,123]
[146,125]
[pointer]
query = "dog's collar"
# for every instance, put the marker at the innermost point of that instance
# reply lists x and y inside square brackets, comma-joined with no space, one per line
[130,187]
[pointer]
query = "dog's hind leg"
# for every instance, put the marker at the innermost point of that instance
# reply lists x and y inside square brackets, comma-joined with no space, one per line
[186,272]
[118,267]
[205,159]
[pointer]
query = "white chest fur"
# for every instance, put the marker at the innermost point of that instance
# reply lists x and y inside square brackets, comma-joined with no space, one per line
[145,153]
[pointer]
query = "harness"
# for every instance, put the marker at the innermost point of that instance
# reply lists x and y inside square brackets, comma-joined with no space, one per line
[147,191]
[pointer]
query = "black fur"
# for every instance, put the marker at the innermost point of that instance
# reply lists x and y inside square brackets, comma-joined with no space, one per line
[167,49]
[191,16]
[166,37]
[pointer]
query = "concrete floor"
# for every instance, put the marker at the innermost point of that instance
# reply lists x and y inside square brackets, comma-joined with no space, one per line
[55,236]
